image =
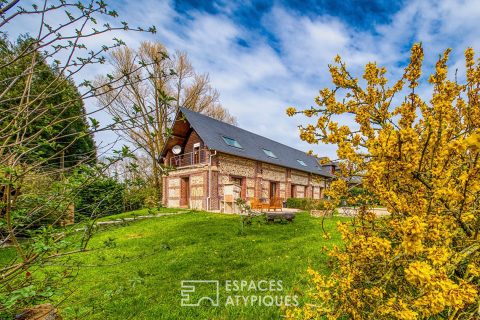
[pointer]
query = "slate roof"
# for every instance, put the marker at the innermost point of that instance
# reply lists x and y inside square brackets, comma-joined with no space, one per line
[211,132]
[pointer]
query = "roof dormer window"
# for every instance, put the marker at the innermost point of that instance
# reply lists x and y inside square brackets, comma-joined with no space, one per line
[269,153]
[232,142]
[301,162]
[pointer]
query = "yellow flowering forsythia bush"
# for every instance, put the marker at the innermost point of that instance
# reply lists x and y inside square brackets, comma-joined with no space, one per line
[421,160]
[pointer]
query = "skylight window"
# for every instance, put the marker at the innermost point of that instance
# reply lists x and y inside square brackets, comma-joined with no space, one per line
[269,153]
[301,162]
[232,142]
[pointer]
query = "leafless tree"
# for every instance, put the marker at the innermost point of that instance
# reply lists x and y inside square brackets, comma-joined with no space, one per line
[146,105]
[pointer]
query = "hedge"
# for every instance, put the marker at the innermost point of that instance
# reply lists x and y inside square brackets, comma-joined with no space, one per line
[306,203]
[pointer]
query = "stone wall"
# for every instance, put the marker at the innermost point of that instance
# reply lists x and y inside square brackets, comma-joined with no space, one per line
[250,187]
[299,177]
[230,167]
[299,191]
[316,192]
[197,192]
[236,166]
[273,173]
[282,193]
[172,193]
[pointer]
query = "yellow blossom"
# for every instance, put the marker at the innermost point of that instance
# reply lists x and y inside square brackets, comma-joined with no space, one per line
[420,159]
[291,111]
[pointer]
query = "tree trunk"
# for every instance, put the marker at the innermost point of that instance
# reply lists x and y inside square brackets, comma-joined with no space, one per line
[157,181]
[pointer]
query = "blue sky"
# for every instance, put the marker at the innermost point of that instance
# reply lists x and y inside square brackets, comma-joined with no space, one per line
[264,56]
[362,14]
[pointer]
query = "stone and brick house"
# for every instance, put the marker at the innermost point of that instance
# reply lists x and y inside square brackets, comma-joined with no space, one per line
[208,155]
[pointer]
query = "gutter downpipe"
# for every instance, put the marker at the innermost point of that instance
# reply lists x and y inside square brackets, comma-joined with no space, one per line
[210,177]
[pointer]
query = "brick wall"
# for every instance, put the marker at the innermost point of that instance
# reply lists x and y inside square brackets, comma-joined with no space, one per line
[215,196]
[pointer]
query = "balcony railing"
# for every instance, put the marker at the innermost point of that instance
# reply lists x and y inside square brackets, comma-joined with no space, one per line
[199,156]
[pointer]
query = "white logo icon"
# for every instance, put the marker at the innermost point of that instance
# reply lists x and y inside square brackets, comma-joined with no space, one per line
[190,286]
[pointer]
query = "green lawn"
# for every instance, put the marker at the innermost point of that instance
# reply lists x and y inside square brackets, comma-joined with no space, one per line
[134,271]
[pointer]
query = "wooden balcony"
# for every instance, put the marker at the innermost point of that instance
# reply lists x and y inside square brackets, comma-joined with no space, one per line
[190,159]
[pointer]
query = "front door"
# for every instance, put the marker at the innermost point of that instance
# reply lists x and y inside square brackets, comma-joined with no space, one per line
[185,192]
[273,190]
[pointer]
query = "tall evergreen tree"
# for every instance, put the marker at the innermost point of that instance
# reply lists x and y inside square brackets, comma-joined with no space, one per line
[66,140]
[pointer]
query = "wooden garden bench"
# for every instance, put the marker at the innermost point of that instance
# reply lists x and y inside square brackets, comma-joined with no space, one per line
[256,204]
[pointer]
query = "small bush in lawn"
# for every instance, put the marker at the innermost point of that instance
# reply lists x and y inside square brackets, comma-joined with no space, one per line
[307,204]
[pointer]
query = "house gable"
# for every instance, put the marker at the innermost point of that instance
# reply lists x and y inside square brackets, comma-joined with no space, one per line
[183,135]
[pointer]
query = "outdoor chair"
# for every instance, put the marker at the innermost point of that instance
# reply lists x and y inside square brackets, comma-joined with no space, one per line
[275,203]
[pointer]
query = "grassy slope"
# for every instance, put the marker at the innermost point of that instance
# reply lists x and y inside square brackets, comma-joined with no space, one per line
[141,212]
[156,254]
[8,254]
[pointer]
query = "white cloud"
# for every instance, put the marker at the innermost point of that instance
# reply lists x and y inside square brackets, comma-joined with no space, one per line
[305,41]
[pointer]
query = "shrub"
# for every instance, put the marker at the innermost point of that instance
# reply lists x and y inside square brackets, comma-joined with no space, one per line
[102,197]
[421,158]
[307,203]
[34,206]
[297,203]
